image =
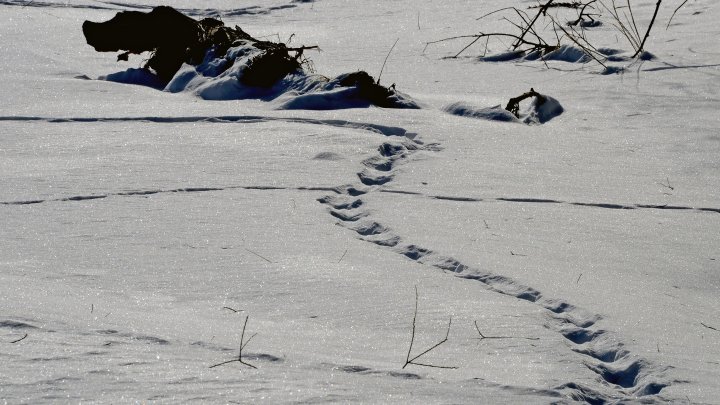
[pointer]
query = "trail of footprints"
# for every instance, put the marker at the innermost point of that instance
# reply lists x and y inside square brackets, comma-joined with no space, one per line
[620,374]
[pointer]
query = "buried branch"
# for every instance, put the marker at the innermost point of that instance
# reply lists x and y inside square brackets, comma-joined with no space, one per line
[539,45]
[483,337]
[243,343]
[582,14]
[709,327]
[19,340]
[531,37]
[412,360]
[513,104]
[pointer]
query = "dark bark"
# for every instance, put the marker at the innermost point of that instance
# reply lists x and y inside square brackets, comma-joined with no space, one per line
[173,37]
[513,104]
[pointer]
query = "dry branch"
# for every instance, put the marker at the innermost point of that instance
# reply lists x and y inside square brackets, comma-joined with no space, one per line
[514,104]
[709,327]
[582,14]
[243,343]
[483,337]
[408,359]
[647,33]
[675,12]
[18,340]
[542,11]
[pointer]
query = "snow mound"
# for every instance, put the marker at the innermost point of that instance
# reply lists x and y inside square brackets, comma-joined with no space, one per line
[564,53]
[537,111]
[495,113]
[142,77]
[541,111]
[225,77]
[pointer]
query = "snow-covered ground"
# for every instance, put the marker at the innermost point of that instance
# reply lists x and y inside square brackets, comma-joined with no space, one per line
[140,228]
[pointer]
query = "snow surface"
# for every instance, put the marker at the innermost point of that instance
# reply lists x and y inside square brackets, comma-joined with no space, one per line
[131,218]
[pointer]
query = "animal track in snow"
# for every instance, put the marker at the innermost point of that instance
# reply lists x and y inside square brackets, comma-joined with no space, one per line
[626,375]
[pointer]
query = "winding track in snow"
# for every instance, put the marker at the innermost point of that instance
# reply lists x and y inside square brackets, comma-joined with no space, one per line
[621,375]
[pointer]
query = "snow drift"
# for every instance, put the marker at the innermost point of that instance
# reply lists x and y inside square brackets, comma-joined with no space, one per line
[217,62]
[536,112]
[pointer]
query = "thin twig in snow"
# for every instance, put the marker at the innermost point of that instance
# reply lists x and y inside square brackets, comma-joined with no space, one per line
[482,337]
[674,12]
[343,255]
[709,327]
[409,360]
[647,33]
[262,257]
[15,341]
[243,343]
[386,58]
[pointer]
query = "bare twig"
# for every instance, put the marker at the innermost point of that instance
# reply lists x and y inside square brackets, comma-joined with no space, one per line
[412,336]
[243,343]
[234,310]
[647,33]
[540,46]
[582,14]
[482,337]
[493,12]
[668,185]
[343,255]
[15,341]
[709,327]
[587,48]
[262,257]
[542,11]
[409,360]
[384,62]
[675,12]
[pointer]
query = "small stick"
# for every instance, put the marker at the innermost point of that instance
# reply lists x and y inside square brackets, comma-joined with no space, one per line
[15,341]
[386,58]
[501,337]
[647,33]
[243,343]
[709,327]
[264,258]
[542,11]
[578,279]
[343,255]
[409,360]
[668,185]
[674,12]
[234,310]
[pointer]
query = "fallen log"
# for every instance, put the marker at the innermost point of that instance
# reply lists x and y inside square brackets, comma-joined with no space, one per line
[172,37]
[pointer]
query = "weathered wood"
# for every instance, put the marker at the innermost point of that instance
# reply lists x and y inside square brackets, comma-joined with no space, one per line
[173,37]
